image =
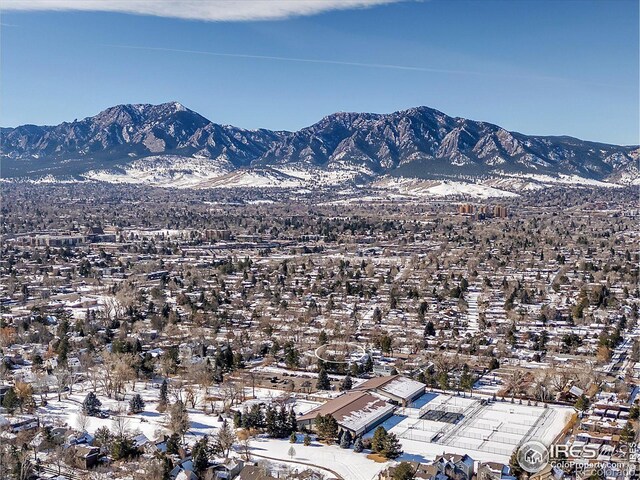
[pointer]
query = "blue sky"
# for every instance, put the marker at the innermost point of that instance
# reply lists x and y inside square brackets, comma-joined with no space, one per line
[538,67]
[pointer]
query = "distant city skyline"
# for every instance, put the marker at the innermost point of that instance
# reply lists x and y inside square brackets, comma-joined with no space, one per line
[537,67]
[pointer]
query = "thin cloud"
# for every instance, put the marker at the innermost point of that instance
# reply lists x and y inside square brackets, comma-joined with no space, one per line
[387,66]
[207,10]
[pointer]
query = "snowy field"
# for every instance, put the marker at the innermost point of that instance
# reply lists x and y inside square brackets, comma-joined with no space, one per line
[487,432]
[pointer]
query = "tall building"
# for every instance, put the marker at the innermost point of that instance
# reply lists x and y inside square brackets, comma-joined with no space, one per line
[500,211]
[466,208]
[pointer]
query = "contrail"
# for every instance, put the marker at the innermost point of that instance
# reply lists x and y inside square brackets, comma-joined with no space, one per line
[335,62]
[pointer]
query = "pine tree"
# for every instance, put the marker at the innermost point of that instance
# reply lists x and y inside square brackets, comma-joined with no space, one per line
[307,440]
[136,404]
[327,427]
[404,471]
[254,418]
[293,438]
[283,423]
[173,444]
[323,380]
[391,447]
[164,396]
[271,422]
[346,383]
[122,447]
[627,434]
[357,445]
[237,419]
[368,366]
[91,405]
[582,403]
[467,381]
[10,401]
[293,420]
[379,437]
[199,456]
[345,440]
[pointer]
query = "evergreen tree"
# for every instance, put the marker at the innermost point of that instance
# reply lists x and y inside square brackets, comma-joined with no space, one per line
[293,420]
[164,396]
[391,447]
[582,403]
[368,366]
[345,440]
[283,423]
[307,440]
[122,447]
[293,438]
[379,437]
[271,422]
[404,471]
[357,445]
[199,456]
[10,401]
[466,381]
[429,330]
[253,418]
[323,380]
[173,444]
[627,434]
[136,404]
[327,427]
[346,383]
[443,380]
[102,438]
[91,405]
[237,419]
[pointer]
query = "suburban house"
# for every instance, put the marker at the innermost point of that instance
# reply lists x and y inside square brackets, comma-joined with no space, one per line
[226,469]
[355,411]
[86,457]
[420,471]
[396,388]
[457,467]
[494,471]
[253,472]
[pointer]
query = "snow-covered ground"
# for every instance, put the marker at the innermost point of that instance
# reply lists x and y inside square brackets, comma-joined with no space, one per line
[440,188]
[165,171]
[485,432]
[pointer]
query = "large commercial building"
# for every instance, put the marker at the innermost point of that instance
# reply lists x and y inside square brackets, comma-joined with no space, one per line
[357,412]
[396,388]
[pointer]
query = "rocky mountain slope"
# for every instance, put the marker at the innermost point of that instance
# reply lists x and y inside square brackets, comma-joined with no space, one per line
[161,144]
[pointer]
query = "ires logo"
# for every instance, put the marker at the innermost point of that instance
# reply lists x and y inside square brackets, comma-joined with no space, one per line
[533,456]
[586,452]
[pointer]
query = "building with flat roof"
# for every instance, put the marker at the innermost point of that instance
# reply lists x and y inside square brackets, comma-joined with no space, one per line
[398,389]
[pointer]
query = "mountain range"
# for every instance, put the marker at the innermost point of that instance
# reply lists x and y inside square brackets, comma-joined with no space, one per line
[170,145]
